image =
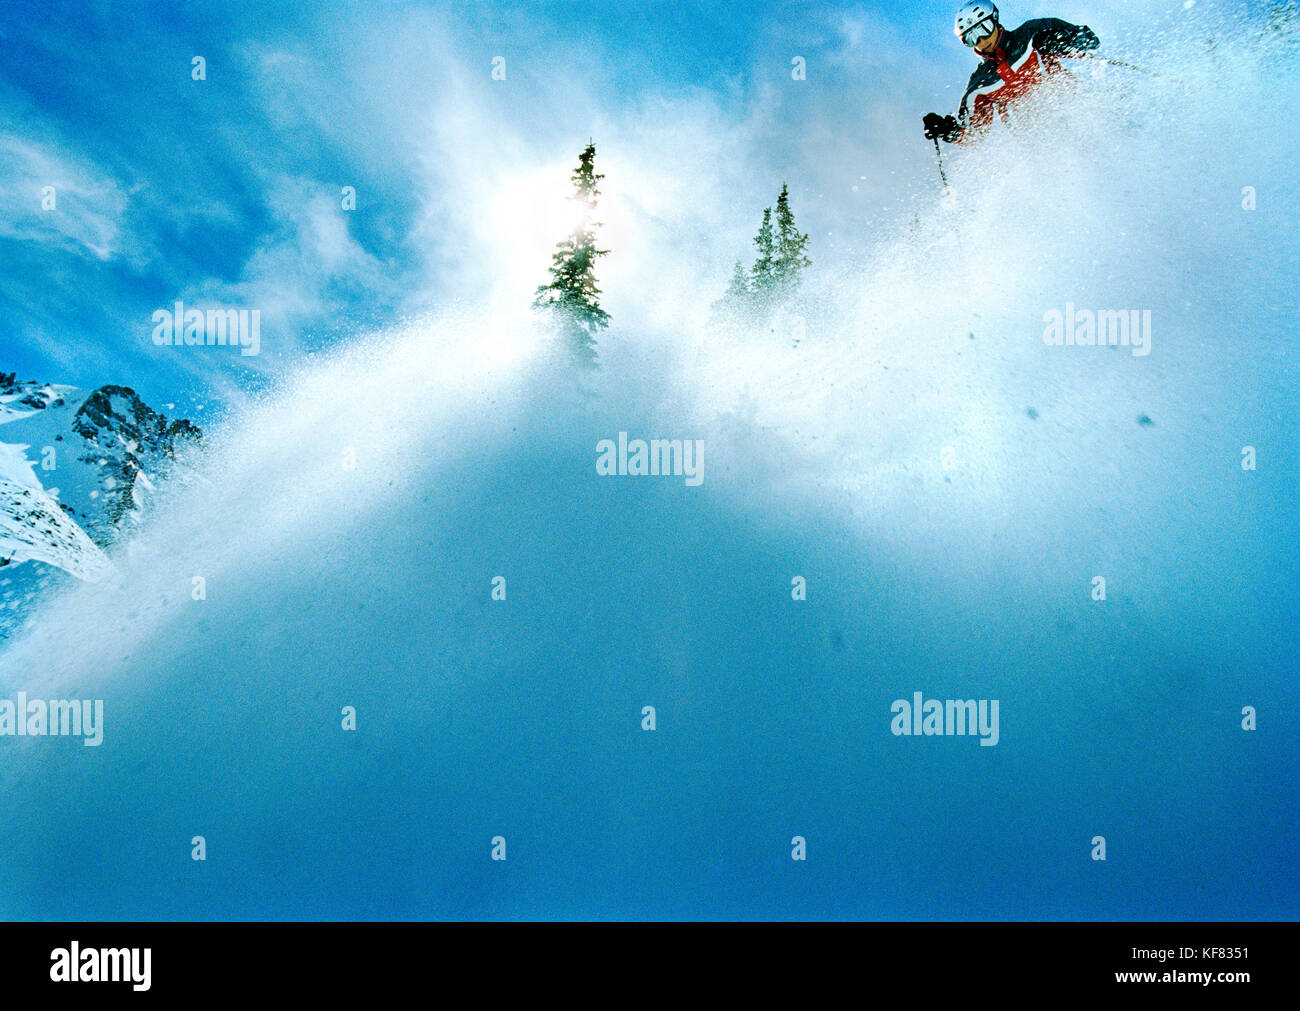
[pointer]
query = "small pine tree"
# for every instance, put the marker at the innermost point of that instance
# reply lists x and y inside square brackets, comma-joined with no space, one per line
[791,257]
[737,301]
[572,297]
[738,289]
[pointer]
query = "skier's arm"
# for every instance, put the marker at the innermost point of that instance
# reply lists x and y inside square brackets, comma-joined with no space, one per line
[971,122]
[974,117]
[1054,37]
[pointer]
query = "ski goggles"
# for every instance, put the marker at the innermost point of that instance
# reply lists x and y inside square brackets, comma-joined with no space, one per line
[980,31]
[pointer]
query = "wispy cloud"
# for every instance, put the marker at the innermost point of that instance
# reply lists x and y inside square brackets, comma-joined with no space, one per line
[51,196]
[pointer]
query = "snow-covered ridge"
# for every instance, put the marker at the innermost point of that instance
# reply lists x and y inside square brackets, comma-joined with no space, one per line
[77,467]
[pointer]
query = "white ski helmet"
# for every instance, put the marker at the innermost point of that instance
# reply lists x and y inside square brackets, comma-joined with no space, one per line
[976,22]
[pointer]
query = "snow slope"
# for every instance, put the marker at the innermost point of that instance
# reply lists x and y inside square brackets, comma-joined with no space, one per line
[948,485]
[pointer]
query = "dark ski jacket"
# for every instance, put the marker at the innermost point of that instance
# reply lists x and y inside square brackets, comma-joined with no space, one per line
[1022,60]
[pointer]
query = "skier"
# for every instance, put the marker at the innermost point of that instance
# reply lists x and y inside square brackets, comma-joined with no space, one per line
[1013,64]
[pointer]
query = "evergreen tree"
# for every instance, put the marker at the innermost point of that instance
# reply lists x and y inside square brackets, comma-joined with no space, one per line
[738,290]
[763,274]
[782,258]
[737,301]
[791,257]
[572,297]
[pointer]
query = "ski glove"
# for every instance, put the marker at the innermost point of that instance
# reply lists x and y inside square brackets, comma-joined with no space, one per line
[942,127]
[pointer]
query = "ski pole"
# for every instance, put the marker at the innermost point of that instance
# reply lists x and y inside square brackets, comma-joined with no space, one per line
[942,174]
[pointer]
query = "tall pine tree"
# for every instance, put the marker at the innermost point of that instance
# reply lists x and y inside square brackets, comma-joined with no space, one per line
[791,248]
[572,297]
[763,276]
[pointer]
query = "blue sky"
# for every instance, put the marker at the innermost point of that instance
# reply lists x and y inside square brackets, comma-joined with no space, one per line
[226,191]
